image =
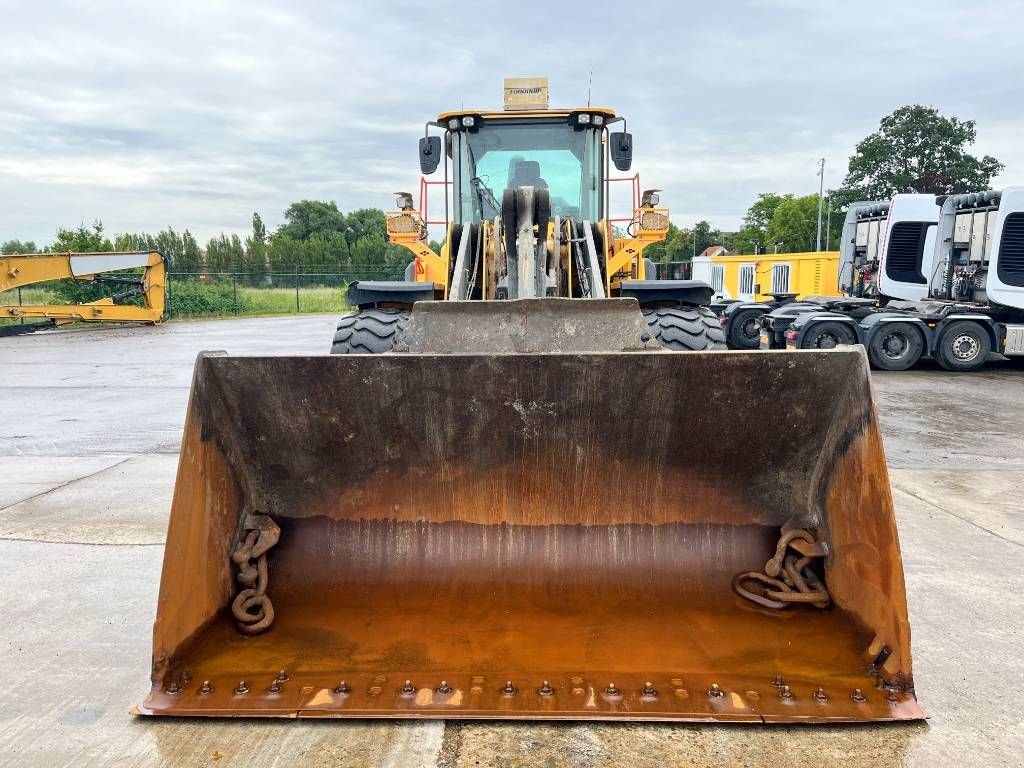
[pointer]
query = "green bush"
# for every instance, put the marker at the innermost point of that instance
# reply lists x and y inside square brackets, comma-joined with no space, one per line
[193,298]
[82,291]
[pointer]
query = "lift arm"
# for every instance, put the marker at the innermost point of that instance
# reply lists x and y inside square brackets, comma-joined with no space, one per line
[19,271]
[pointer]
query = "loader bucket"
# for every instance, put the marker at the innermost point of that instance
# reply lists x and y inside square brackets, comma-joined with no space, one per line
[580,536]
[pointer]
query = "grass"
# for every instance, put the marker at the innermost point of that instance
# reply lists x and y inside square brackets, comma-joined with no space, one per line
[194,300]
[29,295]
[280,301]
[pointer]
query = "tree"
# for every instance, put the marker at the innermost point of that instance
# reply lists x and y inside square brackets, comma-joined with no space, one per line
[18,246]
[705,236]
[677,246]
[83,239]
[917,150]
[224,253]
[256,255]
[191,258]
[757,221]
[365,222]
[794,223]
[313,218]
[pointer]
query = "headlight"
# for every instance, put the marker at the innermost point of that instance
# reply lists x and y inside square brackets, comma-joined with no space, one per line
[453,124]
[583,118]
[598,119]
[468,121]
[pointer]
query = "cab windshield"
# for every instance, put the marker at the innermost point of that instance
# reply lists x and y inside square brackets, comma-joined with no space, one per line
[507,153]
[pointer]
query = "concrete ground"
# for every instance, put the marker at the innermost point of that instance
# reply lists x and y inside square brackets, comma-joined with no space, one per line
[90,423]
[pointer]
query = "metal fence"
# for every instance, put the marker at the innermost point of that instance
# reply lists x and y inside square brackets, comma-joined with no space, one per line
[195,294]
[672,270]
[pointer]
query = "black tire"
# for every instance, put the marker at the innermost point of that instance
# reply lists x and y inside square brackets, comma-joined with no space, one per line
[745,329]
[963,346]
[369,331]
[686,329]
[828,335]
[896,346]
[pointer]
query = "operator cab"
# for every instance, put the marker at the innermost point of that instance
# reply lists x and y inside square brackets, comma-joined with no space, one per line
[527,144]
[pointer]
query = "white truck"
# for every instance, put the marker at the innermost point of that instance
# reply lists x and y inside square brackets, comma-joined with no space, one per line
[922,276]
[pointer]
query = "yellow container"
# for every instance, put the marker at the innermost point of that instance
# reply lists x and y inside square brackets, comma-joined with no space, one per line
[752,278]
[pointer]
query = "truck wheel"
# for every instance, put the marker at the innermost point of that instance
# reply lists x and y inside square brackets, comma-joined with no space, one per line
[369,331]
[828,335]
[685,329]
[895,347]
[963,346]
[745,329]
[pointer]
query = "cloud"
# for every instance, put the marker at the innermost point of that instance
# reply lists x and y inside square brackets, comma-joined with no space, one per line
[195,114]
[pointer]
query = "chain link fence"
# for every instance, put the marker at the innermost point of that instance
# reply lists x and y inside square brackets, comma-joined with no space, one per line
[304,289]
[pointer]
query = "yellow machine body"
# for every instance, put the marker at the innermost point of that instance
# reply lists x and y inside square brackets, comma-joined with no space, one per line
[18,271]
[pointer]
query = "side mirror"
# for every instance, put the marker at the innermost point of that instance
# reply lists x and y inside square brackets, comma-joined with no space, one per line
[430,154]
[621,149]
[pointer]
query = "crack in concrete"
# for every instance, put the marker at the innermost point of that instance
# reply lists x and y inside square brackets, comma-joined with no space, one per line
[951,513]
[65,484]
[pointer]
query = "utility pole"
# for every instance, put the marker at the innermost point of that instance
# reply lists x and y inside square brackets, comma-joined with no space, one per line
[821,194]
[828,222]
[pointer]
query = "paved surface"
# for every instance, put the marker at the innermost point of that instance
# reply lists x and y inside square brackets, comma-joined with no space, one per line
[89,428]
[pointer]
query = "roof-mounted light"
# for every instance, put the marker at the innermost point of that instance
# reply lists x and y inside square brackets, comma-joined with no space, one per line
[468,121]
[453,124]
[583,118]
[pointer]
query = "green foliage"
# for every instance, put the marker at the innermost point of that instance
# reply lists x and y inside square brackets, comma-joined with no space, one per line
[224,253]
[794,224]
[316,234]
[308,219]
[82,240]
[181,250]
[756,222]
[18,246]
[201,298]
[705,236]
[256,255]
[917,150]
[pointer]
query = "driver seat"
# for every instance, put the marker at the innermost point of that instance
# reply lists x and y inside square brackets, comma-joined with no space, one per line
[526,173]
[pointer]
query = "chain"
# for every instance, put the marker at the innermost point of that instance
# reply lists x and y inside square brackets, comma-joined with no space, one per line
[788,578]
[252,609]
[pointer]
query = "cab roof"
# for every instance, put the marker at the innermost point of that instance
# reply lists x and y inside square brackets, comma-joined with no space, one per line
[492,114]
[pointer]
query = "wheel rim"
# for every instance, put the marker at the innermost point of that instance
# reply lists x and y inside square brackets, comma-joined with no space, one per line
[965,347]
[895,346]
[751,330]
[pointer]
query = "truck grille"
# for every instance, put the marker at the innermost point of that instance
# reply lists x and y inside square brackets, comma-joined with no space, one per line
[1010,262]
[906,248]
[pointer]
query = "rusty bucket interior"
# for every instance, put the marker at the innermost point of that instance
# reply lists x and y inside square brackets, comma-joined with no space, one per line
[534,536]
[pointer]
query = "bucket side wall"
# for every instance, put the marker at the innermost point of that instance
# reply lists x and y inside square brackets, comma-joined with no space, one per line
[196,582]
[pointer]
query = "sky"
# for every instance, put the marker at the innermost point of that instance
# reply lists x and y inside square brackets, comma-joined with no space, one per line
[195,114]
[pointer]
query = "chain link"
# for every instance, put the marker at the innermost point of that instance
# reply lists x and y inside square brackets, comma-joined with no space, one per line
[252,609]
[788,578]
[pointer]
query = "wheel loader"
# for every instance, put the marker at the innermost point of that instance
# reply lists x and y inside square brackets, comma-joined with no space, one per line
[529,484]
